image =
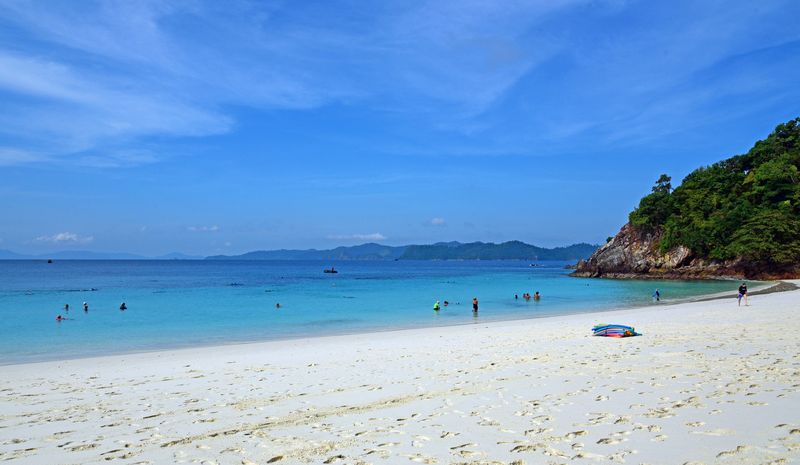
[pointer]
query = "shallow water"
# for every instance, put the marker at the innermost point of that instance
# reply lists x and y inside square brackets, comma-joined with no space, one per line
[191,303]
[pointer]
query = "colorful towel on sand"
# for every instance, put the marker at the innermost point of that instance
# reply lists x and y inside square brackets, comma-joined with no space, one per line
[614,330]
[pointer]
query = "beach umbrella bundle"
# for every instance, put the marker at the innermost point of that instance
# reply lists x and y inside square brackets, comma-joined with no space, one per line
[607,330]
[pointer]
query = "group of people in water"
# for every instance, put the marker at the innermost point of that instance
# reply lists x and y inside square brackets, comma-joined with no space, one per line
[122,307]
[437,306]
[527,296]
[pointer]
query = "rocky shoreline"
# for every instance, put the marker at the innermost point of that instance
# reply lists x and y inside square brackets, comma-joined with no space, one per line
[635,254]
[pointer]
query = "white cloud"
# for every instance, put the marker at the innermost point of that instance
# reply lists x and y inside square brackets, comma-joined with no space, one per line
[9,156]
[99,76]
[66,238]
[90,81]
[438,222]
[213,228]
[359,237]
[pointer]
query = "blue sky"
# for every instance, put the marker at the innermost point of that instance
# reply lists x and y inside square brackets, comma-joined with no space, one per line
[222,127]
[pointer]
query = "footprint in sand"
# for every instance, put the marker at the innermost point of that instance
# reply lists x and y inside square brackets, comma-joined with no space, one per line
[609,441]
[738,450]
[574,434]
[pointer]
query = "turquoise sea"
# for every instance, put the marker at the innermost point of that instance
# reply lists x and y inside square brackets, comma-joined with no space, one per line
[193,303]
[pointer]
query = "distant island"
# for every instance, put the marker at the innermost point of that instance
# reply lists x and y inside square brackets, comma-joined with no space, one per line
[739,218]
[89,255]
[511,250]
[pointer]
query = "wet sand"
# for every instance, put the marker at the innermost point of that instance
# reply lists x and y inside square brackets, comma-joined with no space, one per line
[708,382]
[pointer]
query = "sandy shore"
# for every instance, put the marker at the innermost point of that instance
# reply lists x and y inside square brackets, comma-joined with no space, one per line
[708,382]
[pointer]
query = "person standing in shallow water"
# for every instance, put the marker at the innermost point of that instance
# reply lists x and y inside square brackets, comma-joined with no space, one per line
[475,305]
[656,296]
[743,294]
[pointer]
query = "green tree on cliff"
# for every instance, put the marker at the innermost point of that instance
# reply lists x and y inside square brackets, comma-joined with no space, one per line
[747,206]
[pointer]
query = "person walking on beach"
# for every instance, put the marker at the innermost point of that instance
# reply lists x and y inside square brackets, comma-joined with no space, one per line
[475,305]
[743,295]
[656,296]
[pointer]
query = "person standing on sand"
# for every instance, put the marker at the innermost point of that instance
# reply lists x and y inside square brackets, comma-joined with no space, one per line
[475,305]
[743,295]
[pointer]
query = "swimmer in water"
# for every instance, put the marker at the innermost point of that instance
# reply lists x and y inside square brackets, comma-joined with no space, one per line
[60,318]
[85,307]
[436,306]
[278,305]
[536,295]
[474,305]
[66,307]
[446,303]
[123,307]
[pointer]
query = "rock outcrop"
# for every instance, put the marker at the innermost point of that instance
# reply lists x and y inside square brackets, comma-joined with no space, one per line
[635,254]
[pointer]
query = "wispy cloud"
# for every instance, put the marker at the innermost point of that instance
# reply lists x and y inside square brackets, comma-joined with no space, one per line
[90,82]
[359,237]
[437,222]
[93,78]
[66,238]
[212,228]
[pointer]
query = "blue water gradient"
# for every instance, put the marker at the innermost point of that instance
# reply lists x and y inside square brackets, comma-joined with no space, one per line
[192,303]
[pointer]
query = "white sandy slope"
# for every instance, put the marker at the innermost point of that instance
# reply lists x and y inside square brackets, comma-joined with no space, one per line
[708,382]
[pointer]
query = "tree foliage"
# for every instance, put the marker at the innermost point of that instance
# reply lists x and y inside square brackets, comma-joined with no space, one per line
[747,206]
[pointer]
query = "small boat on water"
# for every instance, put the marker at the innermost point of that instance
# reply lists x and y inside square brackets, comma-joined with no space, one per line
[330,270]
[614,331]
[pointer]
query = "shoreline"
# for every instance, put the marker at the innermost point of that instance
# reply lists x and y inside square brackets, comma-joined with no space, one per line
[780,286]
[706,381]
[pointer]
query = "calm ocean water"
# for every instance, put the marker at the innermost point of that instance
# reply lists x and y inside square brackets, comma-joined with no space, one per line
[192,303]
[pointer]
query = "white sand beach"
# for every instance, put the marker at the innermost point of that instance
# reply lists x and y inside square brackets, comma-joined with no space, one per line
[706,383]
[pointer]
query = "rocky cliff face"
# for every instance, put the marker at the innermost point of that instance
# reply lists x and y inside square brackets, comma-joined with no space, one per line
[635,254]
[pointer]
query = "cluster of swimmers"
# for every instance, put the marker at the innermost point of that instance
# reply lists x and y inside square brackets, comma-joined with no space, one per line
[122,308]
[527,296]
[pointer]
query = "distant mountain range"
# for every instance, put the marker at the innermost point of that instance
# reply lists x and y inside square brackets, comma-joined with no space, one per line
[512,250]
[88,255]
